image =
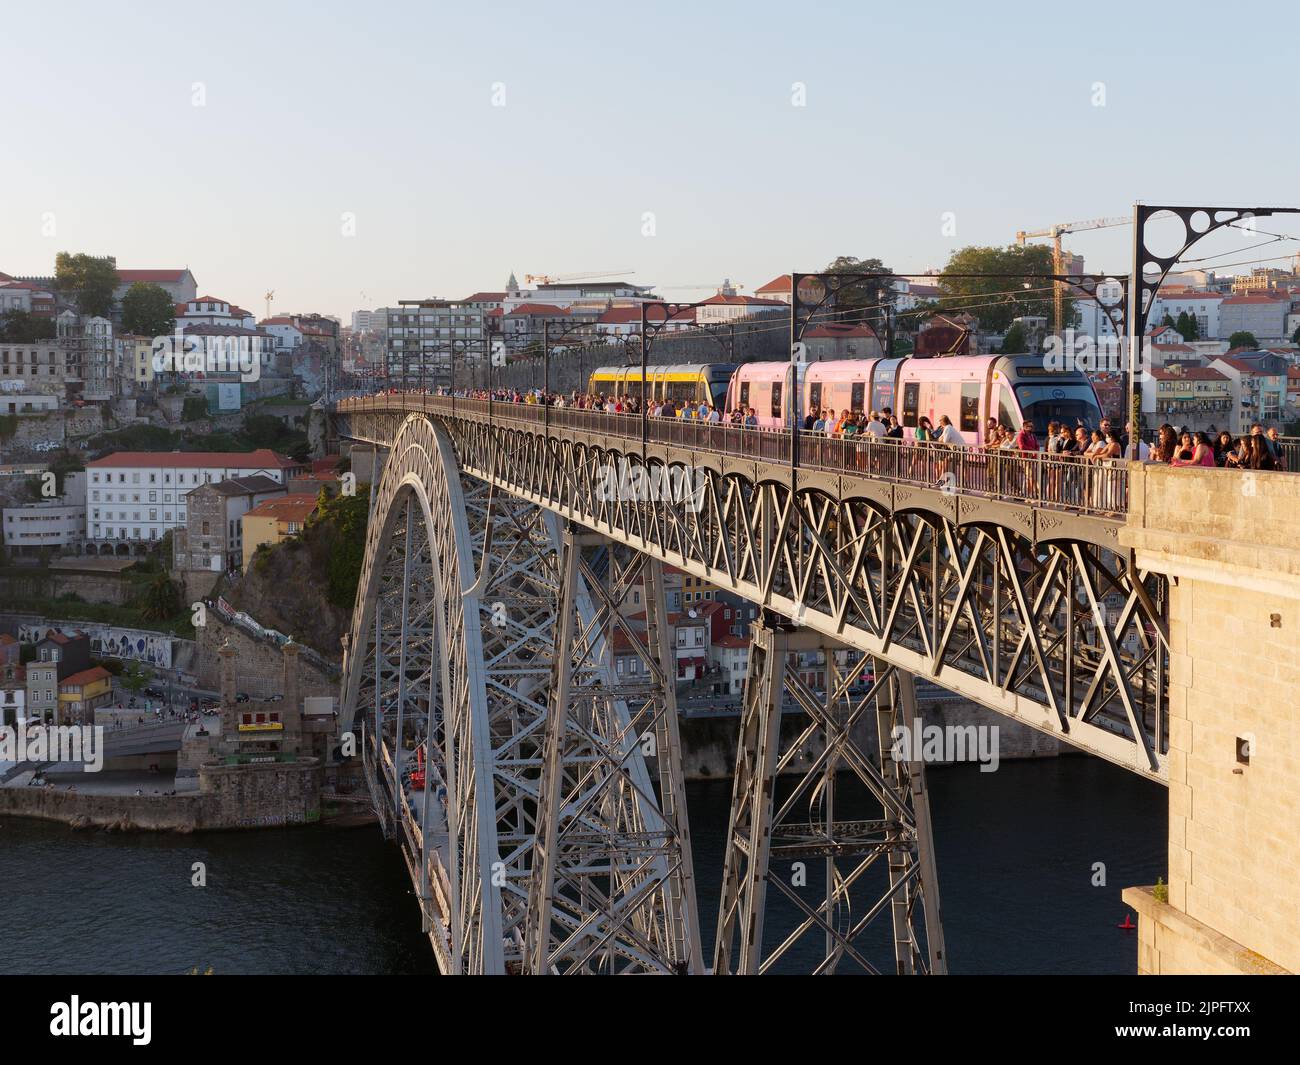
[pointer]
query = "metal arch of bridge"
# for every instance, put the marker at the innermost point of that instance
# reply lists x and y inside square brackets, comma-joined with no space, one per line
[458,640]
[1033,616]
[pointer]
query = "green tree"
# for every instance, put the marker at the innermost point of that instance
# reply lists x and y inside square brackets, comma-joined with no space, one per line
[1168,322]
[23,327]
[87,280]
[194,408]
[997,301]
[348,516]
[148,310]
[64,463]
[1242,338]
[1295,337]
[867,300]
[162,598]
[263,430]
[1187,326]
[1015,342]
[135,678]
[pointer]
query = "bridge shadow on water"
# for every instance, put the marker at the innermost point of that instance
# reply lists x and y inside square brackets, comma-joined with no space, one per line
[1016,850]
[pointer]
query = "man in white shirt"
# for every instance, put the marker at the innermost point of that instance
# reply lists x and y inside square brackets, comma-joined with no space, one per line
[875,426]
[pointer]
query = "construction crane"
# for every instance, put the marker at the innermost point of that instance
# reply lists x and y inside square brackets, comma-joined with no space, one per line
[548,279]
[1055,233]
[711,284]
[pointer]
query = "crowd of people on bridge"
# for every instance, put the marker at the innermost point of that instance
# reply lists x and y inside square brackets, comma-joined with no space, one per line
[1260,449]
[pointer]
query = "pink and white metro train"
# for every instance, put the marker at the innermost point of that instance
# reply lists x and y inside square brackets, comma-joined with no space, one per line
[1013,389]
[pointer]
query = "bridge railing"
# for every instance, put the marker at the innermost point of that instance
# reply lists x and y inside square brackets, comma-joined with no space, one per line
[1091,486]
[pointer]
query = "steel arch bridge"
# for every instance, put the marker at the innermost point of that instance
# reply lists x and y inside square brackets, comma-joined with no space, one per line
[538,795]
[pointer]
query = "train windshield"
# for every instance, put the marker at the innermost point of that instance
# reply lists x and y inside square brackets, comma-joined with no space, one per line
[1072,404]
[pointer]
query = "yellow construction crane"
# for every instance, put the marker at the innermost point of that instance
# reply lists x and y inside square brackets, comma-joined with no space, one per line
[1055,233]
[547,279]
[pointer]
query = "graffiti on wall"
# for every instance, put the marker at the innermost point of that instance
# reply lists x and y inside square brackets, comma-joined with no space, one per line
[108,641]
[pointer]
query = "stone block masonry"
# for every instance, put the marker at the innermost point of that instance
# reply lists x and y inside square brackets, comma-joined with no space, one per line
[229,797]
[259,665]
[1228,542]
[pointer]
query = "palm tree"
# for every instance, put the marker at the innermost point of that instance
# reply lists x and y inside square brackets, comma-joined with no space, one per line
[162,598]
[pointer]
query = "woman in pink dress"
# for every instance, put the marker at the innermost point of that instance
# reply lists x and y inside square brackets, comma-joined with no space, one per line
[1202,452]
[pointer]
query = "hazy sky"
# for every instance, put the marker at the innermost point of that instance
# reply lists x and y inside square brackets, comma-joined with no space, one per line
[384,112]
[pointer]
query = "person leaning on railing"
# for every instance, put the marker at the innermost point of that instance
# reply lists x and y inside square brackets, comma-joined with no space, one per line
[1261,458]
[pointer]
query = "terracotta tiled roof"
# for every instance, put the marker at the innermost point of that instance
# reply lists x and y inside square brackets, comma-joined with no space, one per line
[153,276]
[297,507]
[539,308]
[728,640]
[777,284]
[1188,373]
[737,301]
[86,676]
[262,458]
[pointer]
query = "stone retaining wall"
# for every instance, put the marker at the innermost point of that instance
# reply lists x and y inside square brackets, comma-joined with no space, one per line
[229,797]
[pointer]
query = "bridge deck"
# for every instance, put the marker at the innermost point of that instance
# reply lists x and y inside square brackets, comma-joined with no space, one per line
[1098,488]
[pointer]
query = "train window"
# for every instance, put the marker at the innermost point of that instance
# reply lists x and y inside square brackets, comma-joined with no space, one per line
[1008,411]
[776,399]
[857,398]
[744,393]
[970,408]
[911,401]
[815,398]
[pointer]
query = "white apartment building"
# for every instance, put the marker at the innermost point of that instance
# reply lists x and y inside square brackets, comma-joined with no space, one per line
[17,401]
[209,310]
[53,523]
[592,296]
[13,702]
[424,337]
[1201,306]
[373,321]
[40,367]
[36,526]
[134,497]
[727,307]
[179,284]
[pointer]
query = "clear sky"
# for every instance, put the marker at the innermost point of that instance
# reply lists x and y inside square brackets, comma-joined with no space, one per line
[387,113]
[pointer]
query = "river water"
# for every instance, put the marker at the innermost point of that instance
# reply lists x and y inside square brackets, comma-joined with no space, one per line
[1016,853]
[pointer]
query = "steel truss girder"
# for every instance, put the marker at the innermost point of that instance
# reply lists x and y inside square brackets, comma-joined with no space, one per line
[883,863]
[1065,635]
[453,646]
[612,882]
